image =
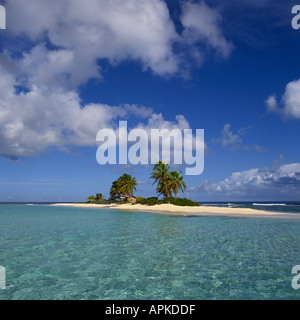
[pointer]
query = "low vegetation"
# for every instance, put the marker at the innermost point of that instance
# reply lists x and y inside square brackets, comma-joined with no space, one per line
[178,202]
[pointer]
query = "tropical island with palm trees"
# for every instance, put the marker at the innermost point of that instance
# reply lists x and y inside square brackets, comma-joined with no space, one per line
[168,183]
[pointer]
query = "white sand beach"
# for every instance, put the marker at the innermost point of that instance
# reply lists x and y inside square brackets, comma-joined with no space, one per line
[184,211]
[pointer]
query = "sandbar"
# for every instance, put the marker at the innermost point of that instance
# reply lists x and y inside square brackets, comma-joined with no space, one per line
[185,211]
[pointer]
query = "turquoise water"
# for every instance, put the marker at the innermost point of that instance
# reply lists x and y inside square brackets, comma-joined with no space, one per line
[75,253]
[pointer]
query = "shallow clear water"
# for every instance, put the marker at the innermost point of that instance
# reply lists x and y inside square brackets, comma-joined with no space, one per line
[75,253]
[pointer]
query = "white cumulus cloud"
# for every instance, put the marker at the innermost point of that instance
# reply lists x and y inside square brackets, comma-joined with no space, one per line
[98,29]
[289,106]
[203,24]
[66,42]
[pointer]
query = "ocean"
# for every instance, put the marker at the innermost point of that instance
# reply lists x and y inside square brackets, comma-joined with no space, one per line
[67,253]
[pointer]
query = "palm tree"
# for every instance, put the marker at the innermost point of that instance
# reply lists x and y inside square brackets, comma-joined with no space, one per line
[177,182]
[162,177]
[127,184]
[99,197]
[123,186]
[114,190]
[91,199]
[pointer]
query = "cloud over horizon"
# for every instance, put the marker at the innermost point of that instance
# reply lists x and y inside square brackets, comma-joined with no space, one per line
[277,182]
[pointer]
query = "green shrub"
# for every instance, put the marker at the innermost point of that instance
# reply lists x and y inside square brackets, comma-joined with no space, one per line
[139,199]
[150,201]
[185,202]
[103,201]
[179,202]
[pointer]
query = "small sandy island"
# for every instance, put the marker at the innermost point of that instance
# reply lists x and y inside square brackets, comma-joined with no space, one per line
[185,211]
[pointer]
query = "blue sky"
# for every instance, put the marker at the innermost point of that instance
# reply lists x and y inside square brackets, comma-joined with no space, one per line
[70,68]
